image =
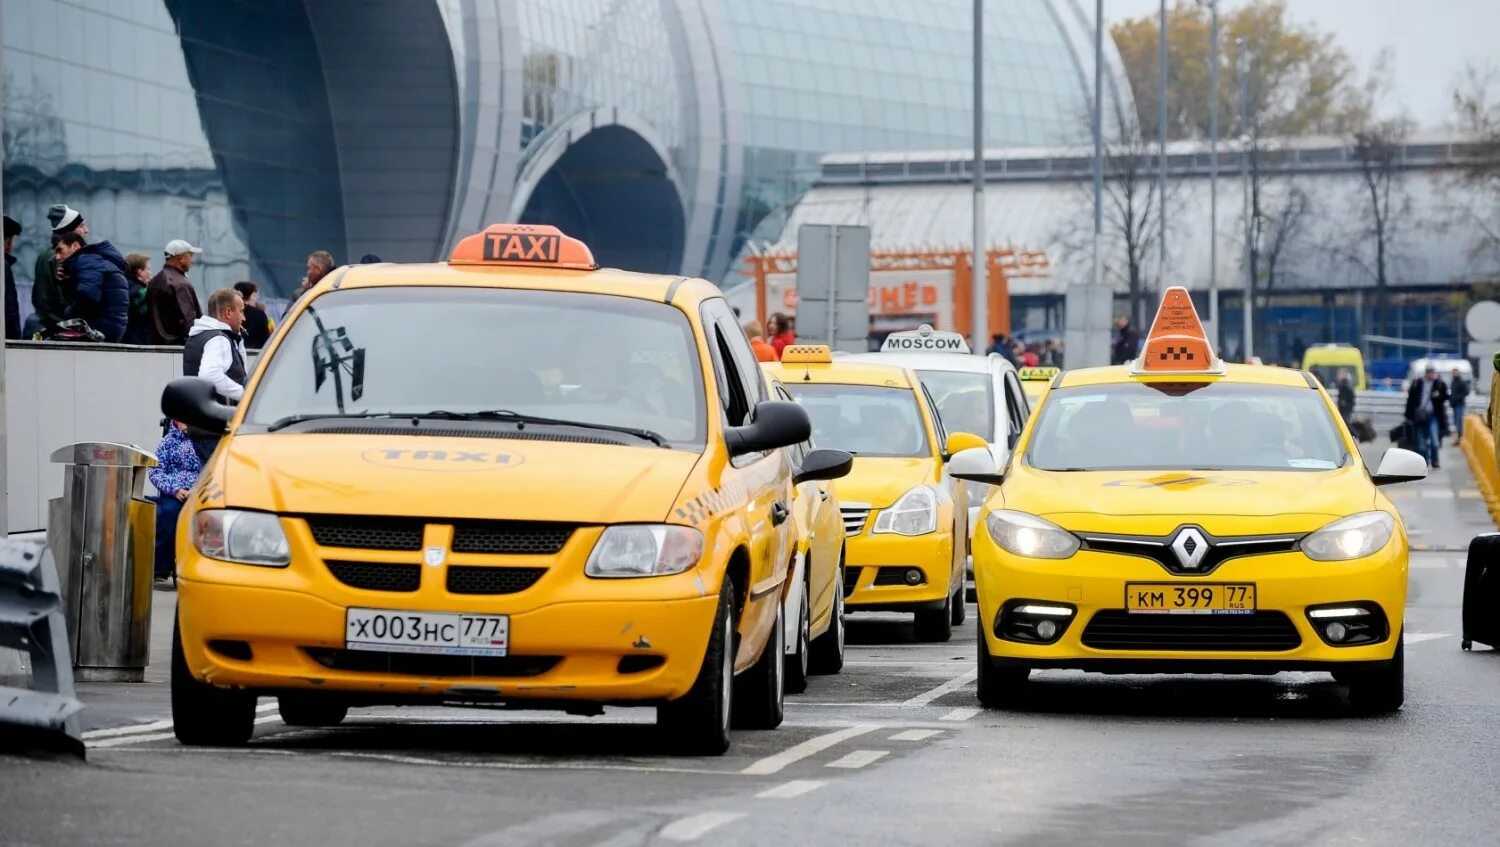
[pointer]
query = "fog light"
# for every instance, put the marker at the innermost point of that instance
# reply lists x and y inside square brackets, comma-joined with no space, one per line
[913,576]
[1336,631]
[1046,630]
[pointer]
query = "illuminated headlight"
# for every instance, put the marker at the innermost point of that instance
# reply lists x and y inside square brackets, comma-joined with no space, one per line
[914,514]
[1350,538]
[1030,536]
[248,538]
[630,550]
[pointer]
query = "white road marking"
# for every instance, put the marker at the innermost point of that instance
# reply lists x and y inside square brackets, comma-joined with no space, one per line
[1429,563]
[795,788]
[812,746]
[153,727]
[859,758]
[960,714]
[158,736]
[951,685]
[1436,494]
[914,735]
[1419,637]
[696,826]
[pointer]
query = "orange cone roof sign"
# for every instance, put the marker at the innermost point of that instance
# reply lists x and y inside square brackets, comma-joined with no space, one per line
[525,245]
[1177,343]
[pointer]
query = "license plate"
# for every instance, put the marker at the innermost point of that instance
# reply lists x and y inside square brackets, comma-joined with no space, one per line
[1175,598]
[393,631]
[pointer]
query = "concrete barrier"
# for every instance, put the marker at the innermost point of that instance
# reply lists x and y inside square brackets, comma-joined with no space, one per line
[1479,448]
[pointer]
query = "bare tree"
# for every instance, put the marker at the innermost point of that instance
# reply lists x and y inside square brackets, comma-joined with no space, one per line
[1476,105]
[1283,230]
[1377,150]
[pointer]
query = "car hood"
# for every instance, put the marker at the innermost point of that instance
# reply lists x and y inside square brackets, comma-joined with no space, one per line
[1152,502]
[450,477]
[881,481]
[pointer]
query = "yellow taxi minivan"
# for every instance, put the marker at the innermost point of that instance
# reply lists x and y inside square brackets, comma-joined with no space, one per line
[511,479]
[1182,515]
[905,519]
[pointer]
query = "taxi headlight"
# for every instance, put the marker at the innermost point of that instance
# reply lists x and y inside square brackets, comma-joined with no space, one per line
[1030,536]
[247,538]
[914,514]
[630,550]
[1348,538]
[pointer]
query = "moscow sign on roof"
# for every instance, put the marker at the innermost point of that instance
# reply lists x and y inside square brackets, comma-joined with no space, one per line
[925,339]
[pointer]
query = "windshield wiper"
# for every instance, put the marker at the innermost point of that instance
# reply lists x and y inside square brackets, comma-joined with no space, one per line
[289,420]
[507,415]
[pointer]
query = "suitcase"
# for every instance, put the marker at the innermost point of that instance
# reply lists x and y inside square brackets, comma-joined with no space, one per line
[1481,620]
[1363,430]
[1404,435]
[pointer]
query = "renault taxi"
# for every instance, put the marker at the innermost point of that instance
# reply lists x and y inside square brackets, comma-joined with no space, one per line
[1036,381]
[905,519]
[511,479]
[1183,515]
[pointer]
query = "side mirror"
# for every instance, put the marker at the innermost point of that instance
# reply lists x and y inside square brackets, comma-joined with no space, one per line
[977,464]
[1399,465]
[823,464]
[776,423]
[960,441]
[194,402]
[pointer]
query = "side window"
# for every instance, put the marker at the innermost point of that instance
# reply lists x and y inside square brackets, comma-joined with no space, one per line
[738,355]
[937,422]
[799,451]
[736,403]
[1015,408]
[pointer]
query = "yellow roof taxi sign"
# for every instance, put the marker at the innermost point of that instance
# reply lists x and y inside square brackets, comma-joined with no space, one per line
[1038,374]
[523,244]
[1176,343]
[807,354]
[925,339]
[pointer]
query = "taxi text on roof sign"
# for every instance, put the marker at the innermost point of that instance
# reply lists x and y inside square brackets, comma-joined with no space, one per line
[1038,374]
[522,244]
[1177,342]
[925,338]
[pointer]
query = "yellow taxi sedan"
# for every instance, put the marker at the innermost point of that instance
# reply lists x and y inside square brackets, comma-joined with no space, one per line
[1181,515]
[1036,382]
[905,518]
[512,479]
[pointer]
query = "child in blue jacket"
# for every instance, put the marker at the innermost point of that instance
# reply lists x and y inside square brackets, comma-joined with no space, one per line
[175,474]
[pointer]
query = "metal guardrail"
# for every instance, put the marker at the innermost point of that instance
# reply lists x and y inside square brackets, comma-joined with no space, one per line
[1386,409]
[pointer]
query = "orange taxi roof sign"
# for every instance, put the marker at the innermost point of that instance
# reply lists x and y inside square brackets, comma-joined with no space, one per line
[1177,342]
[523,244]
[807,354]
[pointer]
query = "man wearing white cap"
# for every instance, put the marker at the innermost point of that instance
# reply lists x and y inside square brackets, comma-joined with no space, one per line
[52,292]
[170,297]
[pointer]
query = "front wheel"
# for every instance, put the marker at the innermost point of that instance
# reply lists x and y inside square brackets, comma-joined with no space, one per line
[797,663]
[310,710]
[936,624]
[828,651]
[203,715]
[760,692]
[960,611]
[699,721]
[1000,688]
[1380,691]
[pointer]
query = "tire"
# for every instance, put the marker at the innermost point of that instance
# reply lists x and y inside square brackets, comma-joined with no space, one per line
[797,664]
[759,697]
[960,611]
[310,710]
[1380,691]
[698,722]
[997,687]
[936,625]
[205,716]
[826,655]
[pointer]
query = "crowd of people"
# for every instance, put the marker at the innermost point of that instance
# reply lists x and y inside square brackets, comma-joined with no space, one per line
[769,343]
[85,290]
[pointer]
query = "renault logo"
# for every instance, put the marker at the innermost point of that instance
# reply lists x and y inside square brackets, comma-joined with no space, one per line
[1190,547]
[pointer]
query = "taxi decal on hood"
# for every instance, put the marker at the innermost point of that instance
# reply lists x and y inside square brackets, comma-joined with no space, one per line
[1178,481]
[441,460]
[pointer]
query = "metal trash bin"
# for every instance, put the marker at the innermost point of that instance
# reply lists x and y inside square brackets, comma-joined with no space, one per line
[102,534]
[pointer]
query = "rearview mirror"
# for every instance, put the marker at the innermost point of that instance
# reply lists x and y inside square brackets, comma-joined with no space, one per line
[823,464]
[193,401]
[1399,465]
[978,464]
[776,423]
[960,441]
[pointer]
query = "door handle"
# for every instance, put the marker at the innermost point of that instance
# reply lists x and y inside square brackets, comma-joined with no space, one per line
[779,513]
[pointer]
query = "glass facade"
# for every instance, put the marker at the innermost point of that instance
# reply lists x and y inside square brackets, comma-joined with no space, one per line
[665,132]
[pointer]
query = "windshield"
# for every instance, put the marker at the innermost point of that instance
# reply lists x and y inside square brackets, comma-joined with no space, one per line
[589,358]
[965,401]
[1204,426]
[865,420]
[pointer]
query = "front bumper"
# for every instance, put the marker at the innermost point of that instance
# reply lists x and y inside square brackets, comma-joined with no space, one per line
[1093,584]
[567,645]
[873,554]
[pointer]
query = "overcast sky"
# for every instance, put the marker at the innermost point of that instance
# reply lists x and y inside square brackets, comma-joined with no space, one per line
[1431,40]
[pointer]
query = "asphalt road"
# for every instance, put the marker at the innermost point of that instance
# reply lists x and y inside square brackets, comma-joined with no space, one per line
[893,751]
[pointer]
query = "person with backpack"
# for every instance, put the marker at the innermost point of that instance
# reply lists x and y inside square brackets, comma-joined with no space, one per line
[138,271]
